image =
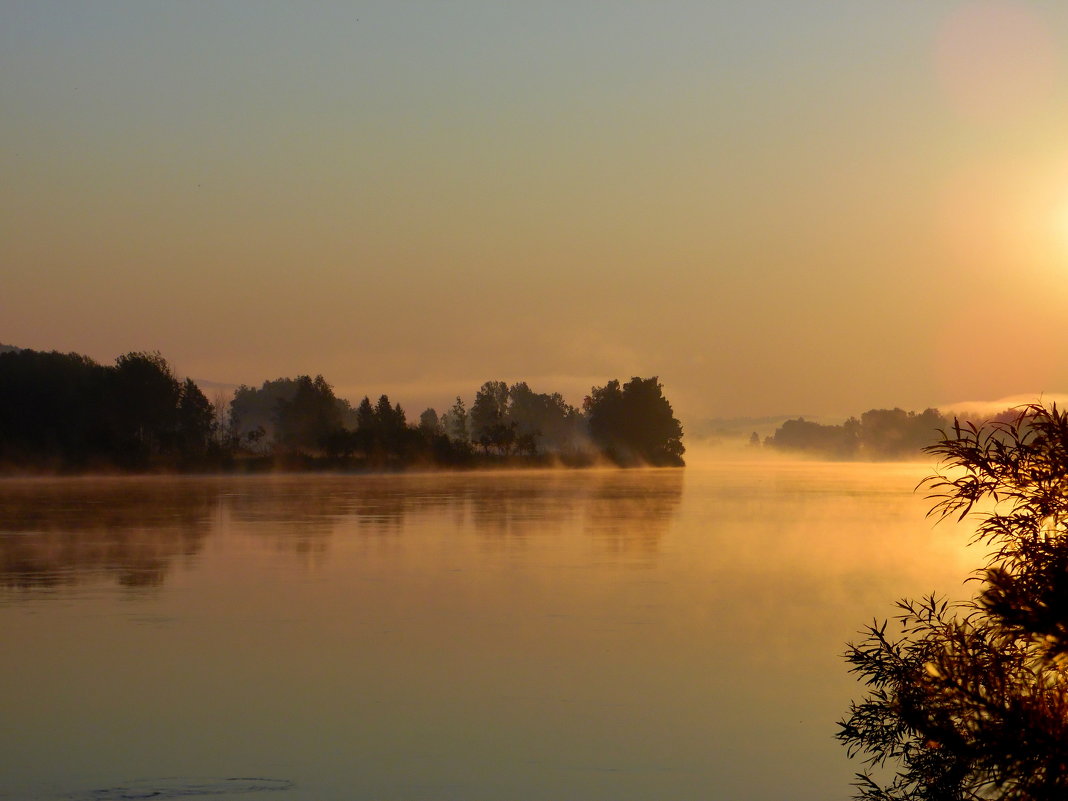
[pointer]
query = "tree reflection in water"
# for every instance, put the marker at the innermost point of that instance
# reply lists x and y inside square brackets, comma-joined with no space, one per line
[66,532]
[69,531]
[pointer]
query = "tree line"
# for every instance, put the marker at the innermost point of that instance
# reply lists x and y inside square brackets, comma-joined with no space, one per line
[878,434]
[67,412]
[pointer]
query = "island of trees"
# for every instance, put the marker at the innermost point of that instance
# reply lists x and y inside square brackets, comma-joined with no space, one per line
[65,412]
[877,435]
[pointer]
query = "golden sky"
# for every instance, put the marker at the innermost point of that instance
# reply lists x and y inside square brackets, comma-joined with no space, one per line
[798,208]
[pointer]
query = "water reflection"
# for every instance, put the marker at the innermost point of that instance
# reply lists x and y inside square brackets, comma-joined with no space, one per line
[525,635]
[56,533]
[626,517]
[61,533]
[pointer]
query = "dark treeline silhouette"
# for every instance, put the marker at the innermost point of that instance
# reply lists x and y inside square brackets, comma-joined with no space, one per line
[505,424]
[66,412]
[879,434]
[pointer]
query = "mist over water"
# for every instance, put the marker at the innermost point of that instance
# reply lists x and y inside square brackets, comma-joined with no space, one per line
[596,634]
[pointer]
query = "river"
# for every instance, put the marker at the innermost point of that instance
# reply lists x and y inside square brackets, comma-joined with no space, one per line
[575,634]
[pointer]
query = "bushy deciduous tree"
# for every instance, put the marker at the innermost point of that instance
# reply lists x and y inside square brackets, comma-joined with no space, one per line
[545,422]
[54,408]
[306,420]
[66,411]
[196,419]
[635,423]
[146,395]
[970,700]
[488,420]
[429,423]
[254,410]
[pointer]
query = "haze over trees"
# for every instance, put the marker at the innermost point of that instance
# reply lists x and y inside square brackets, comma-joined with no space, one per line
[879,434]
[970,700]
[516,419]
[254,411]
[64,411]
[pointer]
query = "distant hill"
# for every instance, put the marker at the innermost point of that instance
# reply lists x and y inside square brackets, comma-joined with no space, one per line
[8,348]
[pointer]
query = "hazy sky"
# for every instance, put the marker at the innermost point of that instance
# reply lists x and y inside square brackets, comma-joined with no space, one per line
[788,206]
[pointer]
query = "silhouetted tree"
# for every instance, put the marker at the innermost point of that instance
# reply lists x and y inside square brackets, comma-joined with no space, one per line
[878,434]
[970,701]
[146,396]
[55,409]
[488,421]
[365,415]
[429,423]
[455,422]
[367,436]
[67,411]
[544,422]
[340,443]
[634,424]
[347,414]
[257,408]
[896,434]
[306,420]
[392,426]
[196,419]
[253,408]
[829,442]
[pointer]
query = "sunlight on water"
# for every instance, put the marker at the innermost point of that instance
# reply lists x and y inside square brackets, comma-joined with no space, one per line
[529,635]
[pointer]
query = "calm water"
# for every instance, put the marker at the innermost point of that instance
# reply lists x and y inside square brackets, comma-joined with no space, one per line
[538,635]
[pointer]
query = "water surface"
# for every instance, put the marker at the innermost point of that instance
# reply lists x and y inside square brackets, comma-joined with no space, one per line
[650,634]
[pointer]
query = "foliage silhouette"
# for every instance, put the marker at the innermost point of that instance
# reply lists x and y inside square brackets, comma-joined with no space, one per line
[545,422]
[429,423]
[53,410]
[879,434]
[309,417]
[829,442]
[66,412]
[488,418]
[254,411]
[455,422]
[634,424]
[145,403]
[196,420]
[256,408]
[971,699]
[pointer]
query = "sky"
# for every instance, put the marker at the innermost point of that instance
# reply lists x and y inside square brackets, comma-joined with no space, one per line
[788,207]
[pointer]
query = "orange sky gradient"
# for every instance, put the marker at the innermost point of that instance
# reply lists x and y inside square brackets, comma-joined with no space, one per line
[804,208]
